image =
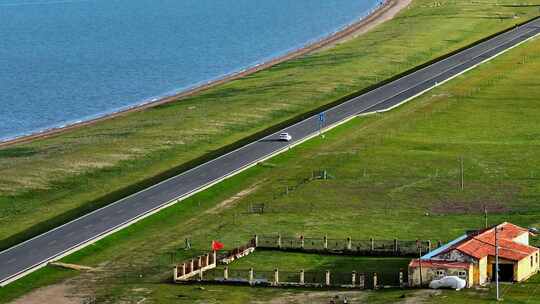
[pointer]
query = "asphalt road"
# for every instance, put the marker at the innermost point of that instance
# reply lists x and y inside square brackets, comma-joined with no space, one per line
[30,255]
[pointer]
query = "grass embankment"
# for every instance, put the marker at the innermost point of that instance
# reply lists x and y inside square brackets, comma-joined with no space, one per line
[395,175]
[49,181]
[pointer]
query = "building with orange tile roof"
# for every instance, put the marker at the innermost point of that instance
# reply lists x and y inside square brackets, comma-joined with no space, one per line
[472,257]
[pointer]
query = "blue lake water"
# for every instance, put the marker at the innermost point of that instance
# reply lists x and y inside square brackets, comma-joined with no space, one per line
[65,61]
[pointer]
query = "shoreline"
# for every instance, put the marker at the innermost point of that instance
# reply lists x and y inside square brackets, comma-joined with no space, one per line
[382,13]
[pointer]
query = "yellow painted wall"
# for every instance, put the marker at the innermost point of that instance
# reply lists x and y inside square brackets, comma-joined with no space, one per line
[429,274]
[470,282]
[524,269]
[522,239]
[482,269]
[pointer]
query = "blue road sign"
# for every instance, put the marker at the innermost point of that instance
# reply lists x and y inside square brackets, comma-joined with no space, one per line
[322,117]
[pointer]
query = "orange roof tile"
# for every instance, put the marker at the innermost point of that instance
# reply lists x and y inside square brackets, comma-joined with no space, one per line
[439,264]
[483,244]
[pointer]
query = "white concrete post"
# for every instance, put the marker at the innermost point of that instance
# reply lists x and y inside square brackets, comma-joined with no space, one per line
[226,273]
[191,265]
[207,259]
[183,268]
[349,243]
[372,242]
[395,245]
[353,279]
[200,274]
[302,277]
[175,274]
[256,240]
[276,277]
[199,263]
[279,241]
[302,241]
[325,242]
[251,276]
[214,257]
[374,280]
[327,281]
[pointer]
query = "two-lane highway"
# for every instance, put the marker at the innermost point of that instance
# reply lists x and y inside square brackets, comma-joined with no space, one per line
[34,253]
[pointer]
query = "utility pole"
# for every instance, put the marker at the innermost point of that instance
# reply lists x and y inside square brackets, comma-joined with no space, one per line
[462,174]
[485,217]
[497,263]
[420,262]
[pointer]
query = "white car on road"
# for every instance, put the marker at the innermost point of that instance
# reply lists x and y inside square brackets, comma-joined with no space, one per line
[285,137]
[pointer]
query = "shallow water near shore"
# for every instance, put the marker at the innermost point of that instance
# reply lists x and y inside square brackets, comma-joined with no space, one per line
[65,61]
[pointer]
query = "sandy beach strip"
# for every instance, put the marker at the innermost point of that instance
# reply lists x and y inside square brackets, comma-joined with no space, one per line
[385,12]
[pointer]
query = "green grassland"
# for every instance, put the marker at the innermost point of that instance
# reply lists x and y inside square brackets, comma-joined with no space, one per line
[295,261]
[394,175]
[49,181]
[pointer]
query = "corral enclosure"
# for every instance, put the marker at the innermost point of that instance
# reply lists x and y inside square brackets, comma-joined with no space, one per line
[311,269]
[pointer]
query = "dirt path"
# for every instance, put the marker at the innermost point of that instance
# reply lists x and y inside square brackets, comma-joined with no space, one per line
[322,297]
[384,13]
[58,294]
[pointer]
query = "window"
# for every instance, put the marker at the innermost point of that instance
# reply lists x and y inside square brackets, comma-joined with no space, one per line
[462,274]
[441,273]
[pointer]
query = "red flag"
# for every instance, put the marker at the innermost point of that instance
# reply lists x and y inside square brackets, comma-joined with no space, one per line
[216,245]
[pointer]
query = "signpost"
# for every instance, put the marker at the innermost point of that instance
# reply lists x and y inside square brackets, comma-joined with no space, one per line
[322,119]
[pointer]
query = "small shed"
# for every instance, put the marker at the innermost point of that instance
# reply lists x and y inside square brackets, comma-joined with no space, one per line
[472,257]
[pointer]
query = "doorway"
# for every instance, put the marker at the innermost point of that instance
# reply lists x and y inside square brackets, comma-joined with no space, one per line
[506,272]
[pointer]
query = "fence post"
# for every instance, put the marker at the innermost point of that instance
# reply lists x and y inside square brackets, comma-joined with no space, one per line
[353,279]
[207,259]
[374,280]
[191,265]
[199,263]
[276,277]
[200,274]
[349,243]
[302,277]
[395,245]
[279,241]
[429,245]
[327,281]
[325,242]
[251,276]
[401,277]
[226,273]
[372,246]
[255,241]
[302,241]
[183,268]
[215,257]
[175,273]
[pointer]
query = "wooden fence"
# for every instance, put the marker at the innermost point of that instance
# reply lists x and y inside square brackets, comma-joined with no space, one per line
[314,279]
[371,247]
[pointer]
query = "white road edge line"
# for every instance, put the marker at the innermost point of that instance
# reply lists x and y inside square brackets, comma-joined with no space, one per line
[208,185]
